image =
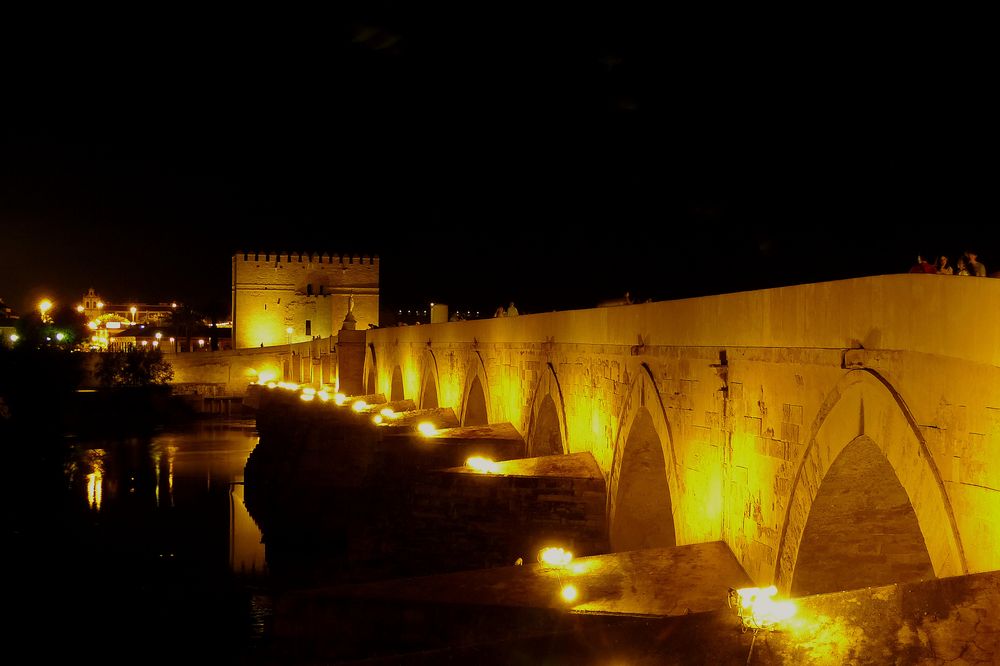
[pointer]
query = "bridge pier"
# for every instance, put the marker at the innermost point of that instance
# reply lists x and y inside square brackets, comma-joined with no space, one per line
[409,495]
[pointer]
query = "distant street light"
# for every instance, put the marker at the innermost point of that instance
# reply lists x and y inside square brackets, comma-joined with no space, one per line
[43,308]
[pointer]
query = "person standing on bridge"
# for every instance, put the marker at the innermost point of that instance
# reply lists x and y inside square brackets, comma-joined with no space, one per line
[922,266]
[975,266]
[512,310]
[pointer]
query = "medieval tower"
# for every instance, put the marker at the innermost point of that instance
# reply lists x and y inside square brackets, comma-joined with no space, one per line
[281,298]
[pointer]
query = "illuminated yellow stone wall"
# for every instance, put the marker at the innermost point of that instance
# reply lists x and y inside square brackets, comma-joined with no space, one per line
[236,368]
[753,395]
[271,292]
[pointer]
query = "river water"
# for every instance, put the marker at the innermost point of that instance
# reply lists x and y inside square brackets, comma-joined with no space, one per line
[135,550]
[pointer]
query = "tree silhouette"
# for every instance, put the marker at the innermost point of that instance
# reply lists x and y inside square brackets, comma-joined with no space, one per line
[136,367]
[216,311]
[63,328]
[184,318]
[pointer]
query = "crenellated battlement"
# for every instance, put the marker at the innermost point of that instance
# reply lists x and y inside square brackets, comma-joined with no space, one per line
[281,297]
[305,258]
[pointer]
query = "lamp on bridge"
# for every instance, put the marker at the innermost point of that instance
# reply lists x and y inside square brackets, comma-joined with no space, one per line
[757,609]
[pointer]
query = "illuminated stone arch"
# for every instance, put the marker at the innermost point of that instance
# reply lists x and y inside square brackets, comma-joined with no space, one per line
[863,407]
[547,434]
[396,389]
[429,386]
[476,397]
[862,530]
[644,484]
[371,371]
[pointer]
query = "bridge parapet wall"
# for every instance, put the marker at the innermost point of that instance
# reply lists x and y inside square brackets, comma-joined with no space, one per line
[739,389]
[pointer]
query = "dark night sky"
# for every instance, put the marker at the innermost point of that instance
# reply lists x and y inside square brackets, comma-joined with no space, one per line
[554,160]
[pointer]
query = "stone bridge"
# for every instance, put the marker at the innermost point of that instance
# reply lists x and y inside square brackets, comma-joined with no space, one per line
[835,435]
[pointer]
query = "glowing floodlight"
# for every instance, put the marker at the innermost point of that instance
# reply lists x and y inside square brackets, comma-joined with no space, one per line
[569,593]
[266,376]
[482,465]
[388,413]
[339,398]
[14,337]
[555,556]
[324,396]
[307,396]
[79,308]
[44,306]
[92,325]
[427,428]
[272,385]
[757,609]
[377,419]
[60,337]
[359,406]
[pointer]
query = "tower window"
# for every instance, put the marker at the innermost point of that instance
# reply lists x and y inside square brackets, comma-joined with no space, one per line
[309,327]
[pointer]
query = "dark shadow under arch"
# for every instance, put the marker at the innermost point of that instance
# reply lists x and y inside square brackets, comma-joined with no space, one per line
[429,399]
[545,437]
[643,516]
[371,379]
[396,388]
[862,530]
[475,406]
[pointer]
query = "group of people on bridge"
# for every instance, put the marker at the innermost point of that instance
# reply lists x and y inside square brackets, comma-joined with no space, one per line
[510,311]
[967,264]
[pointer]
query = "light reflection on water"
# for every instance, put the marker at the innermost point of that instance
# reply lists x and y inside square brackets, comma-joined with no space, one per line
[145,544]
[95,480]
[213,455]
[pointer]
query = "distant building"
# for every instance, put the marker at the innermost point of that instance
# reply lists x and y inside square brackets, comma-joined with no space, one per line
[8,323]
[302,293]
[94,307]
[170,339]
[110,322]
